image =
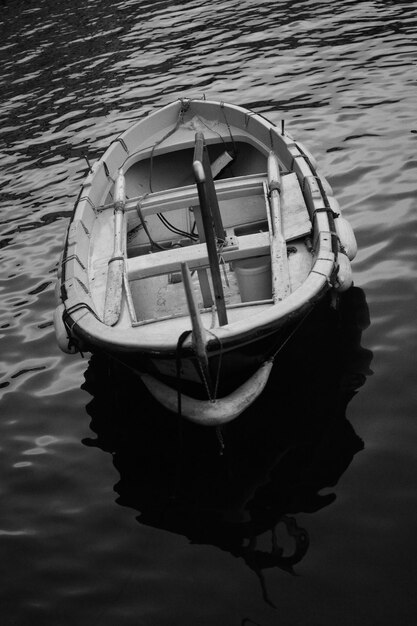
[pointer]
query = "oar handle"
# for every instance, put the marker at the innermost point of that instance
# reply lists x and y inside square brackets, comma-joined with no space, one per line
[114,286]
[274,174]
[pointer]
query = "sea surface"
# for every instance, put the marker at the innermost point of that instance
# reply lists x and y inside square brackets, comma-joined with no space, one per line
[111,512]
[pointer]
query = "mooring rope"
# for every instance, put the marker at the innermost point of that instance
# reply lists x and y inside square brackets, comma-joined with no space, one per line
[228,128]
[294,330]
[180,343]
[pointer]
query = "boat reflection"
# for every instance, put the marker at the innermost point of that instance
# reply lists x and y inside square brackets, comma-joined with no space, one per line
[242,486]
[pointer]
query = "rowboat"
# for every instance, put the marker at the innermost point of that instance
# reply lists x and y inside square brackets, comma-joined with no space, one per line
[199,242]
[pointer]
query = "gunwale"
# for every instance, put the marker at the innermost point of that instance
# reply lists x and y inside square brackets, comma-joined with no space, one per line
[260,320]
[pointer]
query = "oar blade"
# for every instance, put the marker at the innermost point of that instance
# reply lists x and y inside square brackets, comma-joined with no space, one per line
[113,300]
[199,333]
[280,269]
[114,287]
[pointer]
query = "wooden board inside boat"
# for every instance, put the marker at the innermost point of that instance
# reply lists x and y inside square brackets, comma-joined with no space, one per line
[163,296]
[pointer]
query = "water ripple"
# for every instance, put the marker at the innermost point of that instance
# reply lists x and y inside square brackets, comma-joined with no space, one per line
[75,75]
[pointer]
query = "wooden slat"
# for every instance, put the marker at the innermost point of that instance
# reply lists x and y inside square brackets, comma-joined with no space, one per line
[114,287]
[211,220]
[216,167]
[202,272]
[183,197]
[199,340]
[195,256]
[201,155]
[296,219]
[279,260]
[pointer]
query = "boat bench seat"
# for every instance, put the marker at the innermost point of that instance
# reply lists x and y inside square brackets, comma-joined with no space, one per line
[242,201]
[296,224]
[184,197]
[195,256]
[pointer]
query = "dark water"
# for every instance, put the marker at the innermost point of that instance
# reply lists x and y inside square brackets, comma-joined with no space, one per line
[112,513]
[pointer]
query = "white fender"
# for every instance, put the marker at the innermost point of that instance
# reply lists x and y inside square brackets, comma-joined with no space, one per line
[344,273]
[334,205]
[346,237]
[209,413]
[61,332]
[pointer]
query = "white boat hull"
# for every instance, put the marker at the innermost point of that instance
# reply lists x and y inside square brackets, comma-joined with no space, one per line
[278,257]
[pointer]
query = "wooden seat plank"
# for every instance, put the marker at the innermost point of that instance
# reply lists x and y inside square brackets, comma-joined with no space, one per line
[183,197]
[195,256]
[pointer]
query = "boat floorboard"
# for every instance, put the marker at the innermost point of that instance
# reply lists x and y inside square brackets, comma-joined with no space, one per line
[164,296]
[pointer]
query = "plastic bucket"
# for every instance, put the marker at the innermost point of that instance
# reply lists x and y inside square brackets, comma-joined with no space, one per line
[254,278]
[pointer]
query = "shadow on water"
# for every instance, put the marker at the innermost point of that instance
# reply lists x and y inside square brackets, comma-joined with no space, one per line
[293,442]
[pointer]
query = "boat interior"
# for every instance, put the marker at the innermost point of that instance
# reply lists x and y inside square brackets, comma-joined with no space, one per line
[165,228]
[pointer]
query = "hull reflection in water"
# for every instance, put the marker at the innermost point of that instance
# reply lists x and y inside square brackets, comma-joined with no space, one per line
[231,487]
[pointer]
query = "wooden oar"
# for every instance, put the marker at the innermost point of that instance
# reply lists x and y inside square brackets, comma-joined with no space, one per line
[279,259]
[211,220]
[199,334]
[114,287]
